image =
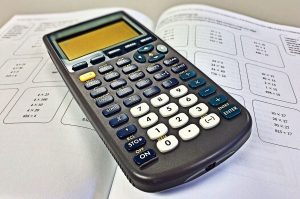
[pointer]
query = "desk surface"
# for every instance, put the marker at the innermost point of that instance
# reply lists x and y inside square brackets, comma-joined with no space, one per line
[276,11]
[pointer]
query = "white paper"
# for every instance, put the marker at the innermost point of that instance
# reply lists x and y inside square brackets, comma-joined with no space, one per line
[258,63]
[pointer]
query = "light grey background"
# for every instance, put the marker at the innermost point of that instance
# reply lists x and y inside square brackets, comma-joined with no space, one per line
[277,11]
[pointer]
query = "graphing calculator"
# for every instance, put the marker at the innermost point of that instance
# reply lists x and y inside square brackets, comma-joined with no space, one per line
[164,121]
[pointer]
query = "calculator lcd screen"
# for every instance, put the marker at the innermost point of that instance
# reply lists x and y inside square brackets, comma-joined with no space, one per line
[97,39]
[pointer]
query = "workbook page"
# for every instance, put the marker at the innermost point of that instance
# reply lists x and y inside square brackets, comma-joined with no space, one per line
[259,64]
[48,148]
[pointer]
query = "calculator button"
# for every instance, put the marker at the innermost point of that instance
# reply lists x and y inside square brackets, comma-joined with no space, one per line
[132,100]
[92,84]
[209,121]
[154,68]
[123,92]
[197,83]
[179,91]
[114,52]
[148,120]
[161,75]
[102,101]
[135,143]
[130,46]
[129,68]
[207,91]
[146,40]
[119,120]
[159,100]
[143,83]
[168,110]
[157,131]
[162,48]
[123,61]
[139,110]
[105,69]
[87,76]
[118,83]
[167,144]
[179,68]
[230,111]
[97,92]
[111,76]
[178,120]
[136,75]
[79,66]
[146,49]
[171,61]
[139,57]
[149,92]
[126,131]
[109,111]
[170,83]
[188,75]
[217,100]
[145,157]
[188,100]
[189,132]
[97,59]
[156,58]
[198,110]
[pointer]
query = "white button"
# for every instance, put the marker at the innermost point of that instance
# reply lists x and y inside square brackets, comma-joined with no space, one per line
[189,132]
[148,120]
[179,91]
[139,110]
[209,121]
[160,100]
[168,110]
[157,131]
[188,100]
[167,144]
[178,120]
[198,110]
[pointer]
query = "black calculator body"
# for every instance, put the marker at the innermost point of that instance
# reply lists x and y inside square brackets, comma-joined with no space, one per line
[163,120]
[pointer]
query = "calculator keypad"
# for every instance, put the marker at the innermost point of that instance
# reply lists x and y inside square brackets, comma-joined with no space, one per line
[167,144]
[148,120]
[139,110]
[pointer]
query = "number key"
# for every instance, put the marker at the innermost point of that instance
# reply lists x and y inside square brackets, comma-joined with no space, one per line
[160,100]
[179,91]
[157,131]
[198,110]
[178,120]
[139,110]
[188,100]
[167,144]
[148,120]
[168,110]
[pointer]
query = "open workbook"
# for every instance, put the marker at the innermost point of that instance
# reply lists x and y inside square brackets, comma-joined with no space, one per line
[48,149]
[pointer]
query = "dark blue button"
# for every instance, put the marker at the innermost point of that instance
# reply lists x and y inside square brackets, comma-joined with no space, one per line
[79,66]
[114,52]
[135,143]
[145,157]
[92,84]
[127,131]
[204,92]
[136,75]
[130,46]
[102,101]
[170,83]
[197,83]
[97,92]
[97,59]
[111,76]
[109,111]
[218,100]
[134,99]
[118,83]
[188,75]
[171,61]
[149,92]
[156,58]
[154,68]
[161,75]
[139,57]
[230,111]
[123,92]
[123,61]
[105,69]
[143,83]
[129,69]
[179,68]
[119,120]
[146,49]
[146,40]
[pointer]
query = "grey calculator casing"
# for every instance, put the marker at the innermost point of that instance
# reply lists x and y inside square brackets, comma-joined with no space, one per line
[191,158]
